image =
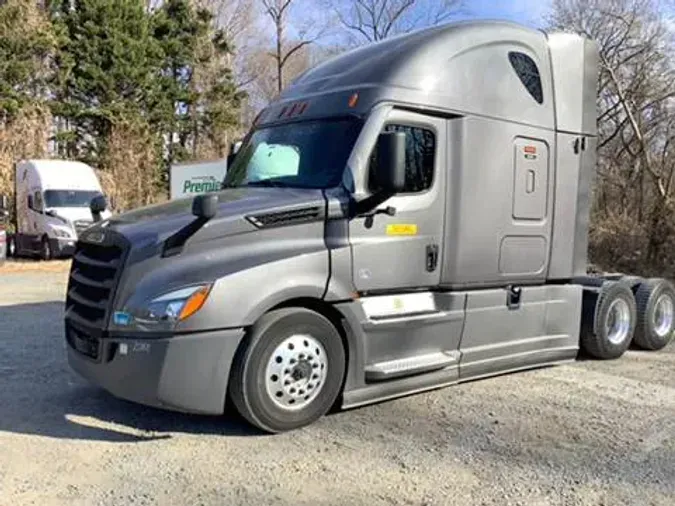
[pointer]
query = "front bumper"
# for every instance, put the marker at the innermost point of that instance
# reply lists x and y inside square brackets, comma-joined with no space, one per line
[181,373]
[62,247]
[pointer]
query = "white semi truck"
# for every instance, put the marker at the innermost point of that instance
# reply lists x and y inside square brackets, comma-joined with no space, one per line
[406,216]
[52,200]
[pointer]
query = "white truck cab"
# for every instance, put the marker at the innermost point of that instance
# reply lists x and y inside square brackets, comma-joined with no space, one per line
[52,206]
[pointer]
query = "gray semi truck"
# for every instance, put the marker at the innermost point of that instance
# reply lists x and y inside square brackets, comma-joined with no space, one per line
[405,216]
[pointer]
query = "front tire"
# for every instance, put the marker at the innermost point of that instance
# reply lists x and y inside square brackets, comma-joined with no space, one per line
[11,246]
[656,314]
[45,249]
[288,372]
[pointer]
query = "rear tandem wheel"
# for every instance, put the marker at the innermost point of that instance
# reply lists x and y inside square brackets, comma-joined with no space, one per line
[655,314]
[608,320]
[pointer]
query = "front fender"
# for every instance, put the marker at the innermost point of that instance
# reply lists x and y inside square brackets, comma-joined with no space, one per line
[240,298]
[249,272]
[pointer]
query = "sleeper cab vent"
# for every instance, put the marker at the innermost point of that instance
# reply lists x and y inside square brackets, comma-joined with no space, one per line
[285,218]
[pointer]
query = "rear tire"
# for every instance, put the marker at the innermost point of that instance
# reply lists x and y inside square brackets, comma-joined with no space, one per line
[655,314]
[609,321]
[288,372]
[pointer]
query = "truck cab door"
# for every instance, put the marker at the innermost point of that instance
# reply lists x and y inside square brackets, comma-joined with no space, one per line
[404,251]
[38,215]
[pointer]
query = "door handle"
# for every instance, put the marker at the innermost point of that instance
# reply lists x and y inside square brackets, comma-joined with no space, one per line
[513,296]
[529,185]
[432,257]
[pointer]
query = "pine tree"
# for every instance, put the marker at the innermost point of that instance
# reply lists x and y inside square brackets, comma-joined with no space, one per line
[26,42]
[199,98]
[106,65]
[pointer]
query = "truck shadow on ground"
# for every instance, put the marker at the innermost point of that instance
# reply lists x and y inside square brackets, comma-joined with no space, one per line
[41,395]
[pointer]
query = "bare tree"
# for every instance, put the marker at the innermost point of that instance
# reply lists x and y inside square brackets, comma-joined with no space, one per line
[240,22]
[266,85]
[278,11]
[373,20]
[636,125]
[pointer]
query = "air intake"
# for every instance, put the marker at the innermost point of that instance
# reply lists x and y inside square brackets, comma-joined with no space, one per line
[285,218]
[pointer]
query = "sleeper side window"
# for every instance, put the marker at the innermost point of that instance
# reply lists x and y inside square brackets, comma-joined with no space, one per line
[528,73]
[420,156]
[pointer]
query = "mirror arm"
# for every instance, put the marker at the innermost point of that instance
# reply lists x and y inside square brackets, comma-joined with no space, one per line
[367,208]
[204,207]
[174,244]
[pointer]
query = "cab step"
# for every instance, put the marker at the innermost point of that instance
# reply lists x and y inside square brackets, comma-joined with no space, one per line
[429,362]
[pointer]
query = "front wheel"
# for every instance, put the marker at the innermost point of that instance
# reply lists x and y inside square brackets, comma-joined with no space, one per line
[11,246]
[289,371]
[45,249]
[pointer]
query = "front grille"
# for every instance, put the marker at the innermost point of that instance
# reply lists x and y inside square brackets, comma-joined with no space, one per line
[94,275]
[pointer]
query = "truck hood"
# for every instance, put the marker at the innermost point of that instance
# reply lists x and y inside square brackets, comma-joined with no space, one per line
[73,214]
[158,222]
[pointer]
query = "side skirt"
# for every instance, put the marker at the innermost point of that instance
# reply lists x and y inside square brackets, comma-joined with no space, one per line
[405,344]
[412,385]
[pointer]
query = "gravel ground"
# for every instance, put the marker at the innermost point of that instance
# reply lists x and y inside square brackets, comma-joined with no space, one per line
[591,433]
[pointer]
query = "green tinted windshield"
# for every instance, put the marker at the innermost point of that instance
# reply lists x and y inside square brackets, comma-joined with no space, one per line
[310,154]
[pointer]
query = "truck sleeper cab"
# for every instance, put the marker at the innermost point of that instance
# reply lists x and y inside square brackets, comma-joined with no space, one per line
[406,216]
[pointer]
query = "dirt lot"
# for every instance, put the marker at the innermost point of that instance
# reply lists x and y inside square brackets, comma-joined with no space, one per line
[27,265]
[592,433]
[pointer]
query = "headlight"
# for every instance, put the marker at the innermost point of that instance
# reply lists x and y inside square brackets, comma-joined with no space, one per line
[61,232]
[174,306]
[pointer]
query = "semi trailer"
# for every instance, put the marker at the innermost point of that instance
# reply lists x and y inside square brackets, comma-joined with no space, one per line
[406,216]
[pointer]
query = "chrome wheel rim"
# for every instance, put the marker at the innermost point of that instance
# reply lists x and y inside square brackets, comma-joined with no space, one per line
[617,321]
[296,372]
[664,309]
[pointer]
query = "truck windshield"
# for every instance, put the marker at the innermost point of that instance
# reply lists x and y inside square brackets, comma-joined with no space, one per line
[310,154]
[68,198]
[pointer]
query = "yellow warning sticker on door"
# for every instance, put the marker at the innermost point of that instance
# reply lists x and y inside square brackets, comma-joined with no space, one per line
[401,229]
